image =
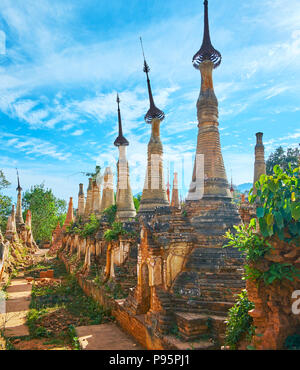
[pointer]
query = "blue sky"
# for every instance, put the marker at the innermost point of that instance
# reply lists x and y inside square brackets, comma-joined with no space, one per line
[64,61]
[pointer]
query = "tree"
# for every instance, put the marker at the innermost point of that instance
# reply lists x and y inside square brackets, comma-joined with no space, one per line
[93,175]
[282,159]
[5,202]
[137,201]
[46,211]
[4,183]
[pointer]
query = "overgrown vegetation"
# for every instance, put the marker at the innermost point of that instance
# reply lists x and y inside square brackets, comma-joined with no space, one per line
[239,322]
[278,213]
[56,309]
[114,233]
[248,241]
[91,227]
[278,199]
[110,213]
[84,230]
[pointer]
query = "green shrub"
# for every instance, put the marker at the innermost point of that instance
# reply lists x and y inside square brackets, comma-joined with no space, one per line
[137,202]
[110,213]
[248,241]
[91,227]
[278,204]
[239,322]
[113,234]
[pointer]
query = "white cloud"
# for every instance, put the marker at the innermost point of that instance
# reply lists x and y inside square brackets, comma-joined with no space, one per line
[32,146]
[77,133]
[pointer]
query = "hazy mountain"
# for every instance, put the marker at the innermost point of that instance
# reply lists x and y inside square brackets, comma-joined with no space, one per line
[244,187]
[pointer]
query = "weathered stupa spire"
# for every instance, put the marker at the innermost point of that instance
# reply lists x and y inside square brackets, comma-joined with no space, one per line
[89,200]
[215,182]
[19,216]
[108,196]
[154,192]
[96,197]
[259,164]
[124,199]
[11,229]
[70,215]
[175,196]
[81,201]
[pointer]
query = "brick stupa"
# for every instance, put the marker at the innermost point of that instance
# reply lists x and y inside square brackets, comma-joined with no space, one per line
[209,205]
[70,215]
[259,164]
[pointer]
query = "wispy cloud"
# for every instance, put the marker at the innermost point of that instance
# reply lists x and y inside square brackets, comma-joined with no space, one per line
[31,146]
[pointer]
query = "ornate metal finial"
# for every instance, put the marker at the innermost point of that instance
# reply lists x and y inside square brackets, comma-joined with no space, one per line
[207,51]
[19,186]
[153,111]
[120,140]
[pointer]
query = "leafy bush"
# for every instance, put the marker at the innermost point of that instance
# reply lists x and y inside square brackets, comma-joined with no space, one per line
[113,234]
[110,213]
[74,228]
[91,227]
[248,241]
[239,322]
[278,204]
[277,201]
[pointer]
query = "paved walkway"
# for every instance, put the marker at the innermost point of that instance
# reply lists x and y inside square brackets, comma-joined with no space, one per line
[105,336]
[17,306]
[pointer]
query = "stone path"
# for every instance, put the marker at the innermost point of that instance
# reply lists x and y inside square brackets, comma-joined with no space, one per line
[105,336]
[17,306]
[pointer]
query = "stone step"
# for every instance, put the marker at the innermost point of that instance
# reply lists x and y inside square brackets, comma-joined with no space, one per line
[197,345]
[215,308]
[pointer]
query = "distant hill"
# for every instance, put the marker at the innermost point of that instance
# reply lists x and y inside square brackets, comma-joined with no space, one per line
[244,187]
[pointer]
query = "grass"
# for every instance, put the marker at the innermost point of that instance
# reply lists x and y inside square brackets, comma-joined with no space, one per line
[47,300]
